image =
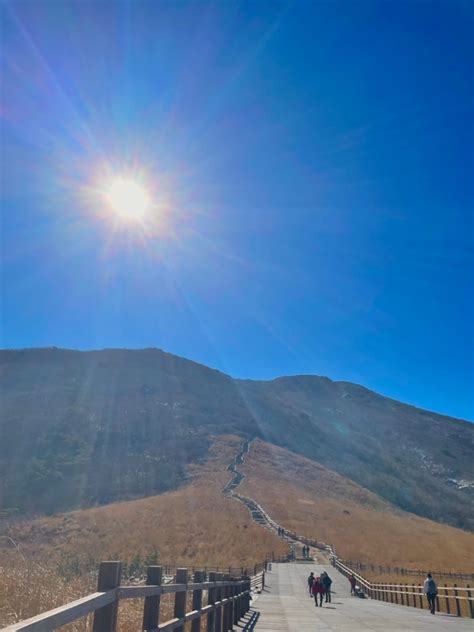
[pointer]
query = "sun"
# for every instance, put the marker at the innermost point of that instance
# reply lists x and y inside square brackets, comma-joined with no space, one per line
[128,199]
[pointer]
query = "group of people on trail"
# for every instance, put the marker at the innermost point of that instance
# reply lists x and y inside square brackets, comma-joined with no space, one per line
[306,552]
[281,531]
[319,587]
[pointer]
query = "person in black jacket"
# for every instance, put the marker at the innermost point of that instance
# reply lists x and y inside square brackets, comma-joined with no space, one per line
[431,590]
[327,581]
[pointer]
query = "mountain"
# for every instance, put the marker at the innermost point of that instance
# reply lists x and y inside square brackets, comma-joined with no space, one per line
[316,502]
[80,429]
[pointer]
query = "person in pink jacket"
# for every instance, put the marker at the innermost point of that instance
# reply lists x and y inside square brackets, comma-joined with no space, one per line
[318,589]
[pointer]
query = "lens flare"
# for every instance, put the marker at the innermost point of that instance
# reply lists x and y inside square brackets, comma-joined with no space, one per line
[128,199]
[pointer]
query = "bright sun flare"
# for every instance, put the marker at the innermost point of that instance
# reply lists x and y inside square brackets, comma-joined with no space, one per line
[128,199]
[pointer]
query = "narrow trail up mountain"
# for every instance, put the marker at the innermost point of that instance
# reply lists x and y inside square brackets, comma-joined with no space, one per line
[261,517]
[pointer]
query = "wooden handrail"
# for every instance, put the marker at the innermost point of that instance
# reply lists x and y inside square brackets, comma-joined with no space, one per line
[65,614]
[233,599]
[385,592]
[399,570]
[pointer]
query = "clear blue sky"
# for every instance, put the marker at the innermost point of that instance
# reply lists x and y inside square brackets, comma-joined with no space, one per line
[312,164]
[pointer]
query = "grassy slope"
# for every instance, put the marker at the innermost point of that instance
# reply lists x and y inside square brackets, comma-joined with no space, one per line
[314,501]
[190,526]
[193,526]
[81,429]
[197,526]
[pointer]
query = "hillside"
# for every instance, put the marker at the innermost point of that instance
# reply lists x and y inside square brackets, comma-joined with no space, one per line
[80,429]
[51,558]
[316,502]
[189,526]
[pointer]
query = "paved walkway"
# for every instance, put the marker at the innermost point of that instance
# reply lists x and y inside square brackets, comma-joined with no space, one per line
[285,606]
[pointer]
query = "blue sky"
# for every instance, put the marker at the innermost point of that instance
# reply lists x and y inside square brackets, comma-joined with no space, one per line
[311,168]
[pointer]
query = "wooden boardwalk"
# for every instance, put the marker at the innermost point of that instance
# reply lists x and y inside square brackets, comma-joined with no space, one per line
[285,606]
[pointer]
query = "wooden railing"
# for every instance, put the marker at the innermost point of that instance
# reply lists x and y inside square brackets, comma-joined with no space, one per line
[412,594]
[398,570]
[228,599]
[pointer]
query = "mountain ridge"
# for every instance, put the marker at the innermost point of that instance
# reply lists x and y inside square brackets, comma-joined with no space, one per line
[82,428]
[234,378]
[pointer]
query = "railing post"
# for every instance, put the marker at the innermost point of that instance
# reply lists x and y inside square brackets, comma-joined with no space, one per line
[243,586]
[237,602]
[448,607]
[180,597]
[211,599]
[219,592]
[421,595]
[236,617]
[151,610]
[226,617]
[471,605]
[469,601]
[402,597]
[197,601]
[458,609]
[247,586]
[105,619]
[235,606]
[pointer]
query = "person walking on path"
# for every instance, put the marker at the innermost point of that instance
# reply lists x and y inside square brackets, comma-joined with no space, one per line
[431,590]
[327,581]
[318,589]
[310,583]
[352,580]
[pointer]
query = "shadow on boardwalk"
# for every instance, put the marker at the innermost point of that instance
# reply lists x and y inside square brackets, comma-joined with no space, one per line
[249,621]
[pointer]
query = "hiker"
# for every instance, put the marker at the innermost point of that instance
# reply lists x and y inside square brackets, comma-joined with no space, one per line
[318,589]
[327,581]
[353,582]
[304,552]
[310,583]
[431,590]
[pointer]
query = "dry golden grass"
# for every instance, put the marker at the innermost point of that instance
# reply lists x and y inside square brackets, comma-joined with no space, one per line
[52,560]
[28,589]
[194,526]
[318,503]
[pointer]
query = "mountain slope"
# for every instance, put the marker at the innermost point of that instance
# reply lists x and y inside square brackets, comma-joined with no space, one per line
[421,461]
[51,558]
[318,503]
[85,428]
